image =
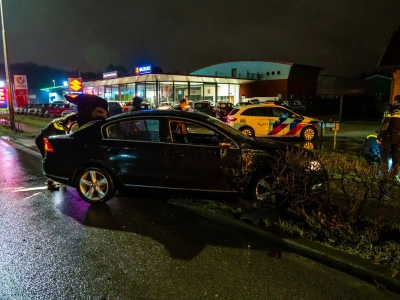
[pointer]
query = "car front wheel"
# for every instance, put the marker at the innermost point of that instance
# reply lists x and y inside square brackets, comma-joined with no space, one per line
[266,188]
[309,133]
[95,185]
[247,131]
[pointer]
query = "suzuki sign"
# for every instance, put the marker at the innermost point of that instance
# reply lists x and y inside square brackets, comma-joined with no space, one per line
[75,85]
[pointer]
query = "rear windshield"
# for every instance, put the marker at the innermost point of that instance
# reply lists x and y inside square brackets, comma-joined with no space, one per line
[234,111]
[201,105]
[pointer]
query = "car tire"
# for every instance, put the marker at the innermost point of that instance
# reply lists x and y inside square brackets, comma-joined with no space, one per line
[95,184]
[247,131]
[266,188]
[308,133]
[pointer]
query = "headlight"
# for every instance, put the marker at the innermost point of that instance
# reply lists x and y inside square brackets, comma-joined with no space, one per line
[314,166]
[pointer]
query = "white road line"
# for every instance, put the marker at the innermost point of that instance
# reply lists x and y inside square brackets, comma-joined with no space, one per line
[31,196]
[11,188]
[30,189]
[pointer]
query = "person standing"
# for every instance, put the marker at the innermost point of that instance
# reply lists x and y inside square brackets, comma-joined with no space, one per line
[184,106]
[58,126]
[90,108]
[388,137]
[136,104]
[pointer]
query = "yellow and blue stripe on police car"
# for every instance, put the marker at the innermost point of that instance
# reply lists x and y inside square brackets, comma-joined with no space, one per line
[295,126]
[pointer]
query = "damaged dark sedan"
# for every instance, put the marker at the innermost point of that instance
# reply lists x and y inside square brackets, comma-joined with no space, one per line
[169,151]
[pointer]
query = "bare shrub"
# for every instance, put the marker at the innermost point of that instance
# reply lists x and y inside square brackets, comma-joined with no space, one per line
[350,185]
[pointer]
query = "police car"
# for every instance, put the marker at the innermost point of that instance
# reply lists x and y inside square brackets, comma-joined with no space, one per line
[272,120]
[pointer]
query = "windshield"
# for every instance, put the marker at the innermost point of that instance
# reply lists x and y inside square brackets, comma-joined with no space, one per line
[236,133]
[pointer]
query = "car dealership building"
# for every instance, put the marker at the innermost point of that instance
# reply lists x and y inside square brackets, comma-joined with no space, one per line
[229,81]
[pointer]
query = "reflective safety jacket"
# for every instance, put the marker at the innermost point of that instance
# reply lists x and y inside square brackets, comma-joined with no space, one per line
[390,128]
[53,128]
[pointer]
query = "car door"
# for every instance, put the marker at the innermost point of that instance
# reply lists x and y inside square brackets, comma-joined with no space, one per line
[196,161]
[136,152]
[283,122]
[257,118]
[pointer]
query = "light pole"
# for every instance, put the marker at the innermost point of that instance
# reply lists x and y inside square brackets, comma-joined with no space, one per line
[54,83]
[8,83]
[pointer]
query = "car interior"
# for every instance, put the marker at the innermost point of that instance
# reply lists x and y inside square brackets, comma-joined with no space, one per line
[191,133]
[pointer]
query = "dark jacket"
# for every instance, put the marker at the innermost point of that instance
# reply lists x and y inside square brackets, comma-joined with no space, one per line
[390,128]
[55,127]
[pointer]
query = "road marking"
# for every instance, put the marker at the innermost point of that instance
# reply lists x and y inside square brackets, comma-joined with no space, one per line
[11,188]
[26,198]
[31,189]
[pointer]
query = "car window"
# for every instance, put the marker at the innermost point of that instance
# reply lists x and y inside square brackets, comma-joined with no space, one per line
[233,111]
[260,112]
[247,112]
[135,130]
[280,112]
[183,132]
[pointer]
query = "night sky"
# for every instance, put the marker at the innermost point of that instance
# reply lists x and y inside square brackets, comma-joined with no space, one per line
[342,36]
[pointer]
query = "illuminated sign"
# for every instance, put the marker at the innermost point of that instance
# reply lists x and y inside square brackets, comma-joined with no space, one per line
[20,82]
[109,75]
[143,70]
[3,95]
[75,85]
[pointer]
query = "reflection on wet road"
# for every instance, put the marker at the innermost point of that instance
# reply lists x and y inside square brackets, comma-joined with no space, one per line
[53,245]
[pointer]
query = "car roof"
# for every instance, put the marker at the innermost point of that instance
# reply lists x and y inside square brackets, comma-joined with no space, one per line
[161,113]
[260,105]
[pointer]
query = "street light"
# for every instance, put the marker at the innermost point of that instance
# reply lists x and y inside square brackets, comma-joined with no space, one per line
[54,83]
[8,83]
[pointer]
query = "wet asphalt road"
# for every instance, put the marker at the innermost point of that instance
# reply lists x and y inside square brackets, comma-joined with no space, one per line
[55,246]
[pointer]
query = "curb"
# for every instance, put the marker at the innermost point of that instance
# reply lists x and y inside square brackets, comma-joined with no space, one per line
[382,276]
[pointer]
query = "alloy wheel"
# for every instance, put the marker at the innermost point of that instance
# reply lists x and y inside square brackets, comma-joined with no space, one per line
[94,185]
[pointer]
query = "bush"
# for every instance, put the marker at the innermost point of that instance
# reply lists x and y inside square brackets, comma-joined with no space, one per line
[350,213]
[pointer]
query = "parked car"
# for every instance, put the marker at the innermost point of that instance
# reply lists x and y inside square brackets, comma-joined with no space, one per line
[143,106]
[31,110]
[126,105]
[243,103]
[271,120]
[56,111]
[169,151]
[114,107]
[251,101]
[24,109]
[205,108]
[165,105]
[297,107]
[72,109]
[38,109]
[42,110]
[223,110]
[209,101]
[18,110]
[146,106]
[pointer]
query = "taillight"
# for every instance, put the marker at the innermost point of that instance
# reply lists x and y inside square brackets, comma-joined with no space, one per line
[47,145]
[231,119]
